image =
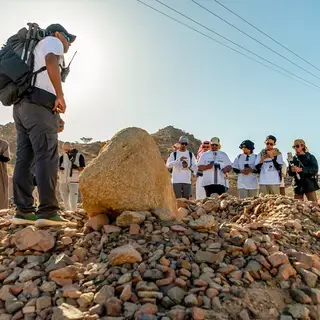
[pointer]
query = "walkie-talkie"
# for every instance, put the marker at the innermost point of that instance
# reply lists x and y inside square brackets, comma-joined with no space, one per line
[65,70]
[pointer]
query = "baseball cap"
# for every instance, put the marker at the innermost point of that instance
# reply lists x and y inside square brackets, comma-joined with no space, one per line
[215,140]
[247,144]
[184,139]
[56,27]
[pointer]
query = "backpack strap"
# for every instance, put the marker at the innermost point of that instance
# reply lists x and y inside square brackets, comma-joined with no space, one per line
[190,155]
[35,74]
[175,155]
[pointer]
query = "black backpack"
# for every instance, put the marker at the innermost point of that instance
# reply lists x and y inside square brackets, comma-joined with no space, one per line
[17,63]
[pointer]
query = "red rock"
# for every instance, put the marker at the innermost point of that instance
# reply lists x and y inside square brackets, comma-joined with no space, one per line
[181,283]
[124,254]
[113,306]
[68,272]
[266,276]
[278,258]
[164,261]
[147,308]
[126,293]
[134,229]
[97,222]
[200,283]
[32,238]
[227,269]
[61,282]
[198,314]
[15,290]
[164,282]
[285,272]
[177,228]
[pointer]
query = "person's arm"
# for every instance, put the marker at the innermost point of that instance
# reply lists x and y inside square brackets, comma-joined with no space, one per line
[235,166]
[227,164]
[171,162]
[312,166]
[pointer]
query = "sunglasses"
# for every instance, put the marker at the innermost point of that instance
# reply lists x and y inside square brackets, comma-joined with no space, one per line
[67,37]
[205,147]
[296,146]
[269,144]
[183,143]
[214,145]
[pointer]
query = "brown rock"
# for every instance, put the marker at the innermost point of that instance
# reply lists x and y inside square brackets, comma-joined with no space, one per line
[183,212]
[124,254]
[127,218]
[147,308]
[66,312]
[126,292]
[177,314]
[32,238]
[198,314]
[249,246]
[113,306]
[203,223]
[285,272]
[309,277]
[134,229]
[111,229]
[143,178]
[206,256]
[278,258]
[72,291]
[302,258]
[68,272]
[97,222]
[181,203]
[164,282]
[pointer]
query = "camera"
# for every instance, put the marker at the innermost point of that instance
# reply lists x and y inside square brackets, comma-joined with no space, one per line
[217,165]
[184,162]
[199,174]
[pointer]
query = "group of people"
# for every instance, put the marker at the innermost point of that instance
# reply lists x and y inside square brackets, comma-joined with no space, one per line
[262,172]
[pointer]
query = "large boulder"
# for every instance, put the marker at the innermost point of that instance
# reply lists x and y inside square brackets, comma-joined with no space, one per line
[128,175]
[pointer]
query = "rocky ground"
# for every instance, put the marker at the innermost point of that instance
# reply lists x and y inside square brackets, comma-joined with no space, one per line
[226,259]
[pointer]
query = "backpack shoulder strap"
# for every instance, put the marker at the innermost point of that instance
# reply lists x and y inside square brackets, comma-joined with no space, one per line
[190,155]
[175,155]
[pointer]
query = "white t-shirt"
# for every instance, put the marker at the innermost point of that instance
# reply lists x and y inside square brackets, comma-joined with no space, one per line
[42,49]
[180,174]
[269,174]
[249,181]
[214,175]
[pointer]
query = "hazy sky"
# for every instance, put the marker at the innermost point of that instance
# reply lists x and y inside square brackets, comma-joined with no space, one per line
[137,68]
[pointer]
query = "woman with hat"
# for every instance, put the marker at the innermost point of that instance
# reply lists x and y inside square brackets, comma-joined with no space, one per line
[244,167]
[304,169]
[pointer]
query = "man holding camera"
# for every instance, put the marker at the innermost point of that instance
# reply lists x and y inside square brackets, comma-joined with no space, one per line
[70,165]
[269,164]
[183,164]
[215,165]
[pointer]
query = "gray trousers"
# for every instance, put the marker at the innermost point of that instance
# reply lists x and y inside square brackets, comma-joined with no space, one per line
[37,139]
[182,190]
[247,193]
[270,188]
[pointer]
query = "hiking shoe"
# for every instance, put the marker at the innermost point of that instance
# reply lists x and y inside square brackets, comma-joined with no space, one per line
[29,218]
[56,220]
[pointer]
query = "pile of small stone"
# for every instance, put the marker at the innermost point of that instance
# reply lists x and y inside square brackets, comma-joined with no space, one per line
[140,267]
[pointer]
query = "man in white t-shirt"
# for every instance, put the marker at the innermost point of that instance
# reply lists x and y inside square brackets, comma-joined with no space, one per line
[244,167]
[215,165]
[37,123]
[183,164]
[269,162]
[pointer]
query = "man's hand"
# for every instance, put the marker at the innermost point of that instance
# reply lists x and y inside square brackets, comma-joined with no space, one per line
[183,158]
[296,169]
[270,154]
[184,164]
[59,105]
[209,166]
[226,169]
[263,157]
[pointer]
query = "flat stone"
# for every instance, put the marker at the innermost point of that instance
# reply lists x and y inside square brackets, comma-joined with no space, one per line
[124,254]
[285,272]
[104,294]
[298,311]
[206,256]
[30,274]
[14,305]
[97,222]
[278,258]
[66,312]
[111,229]
[300,296]
[308,277]
[129,217]
[314,294]
[176,294]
